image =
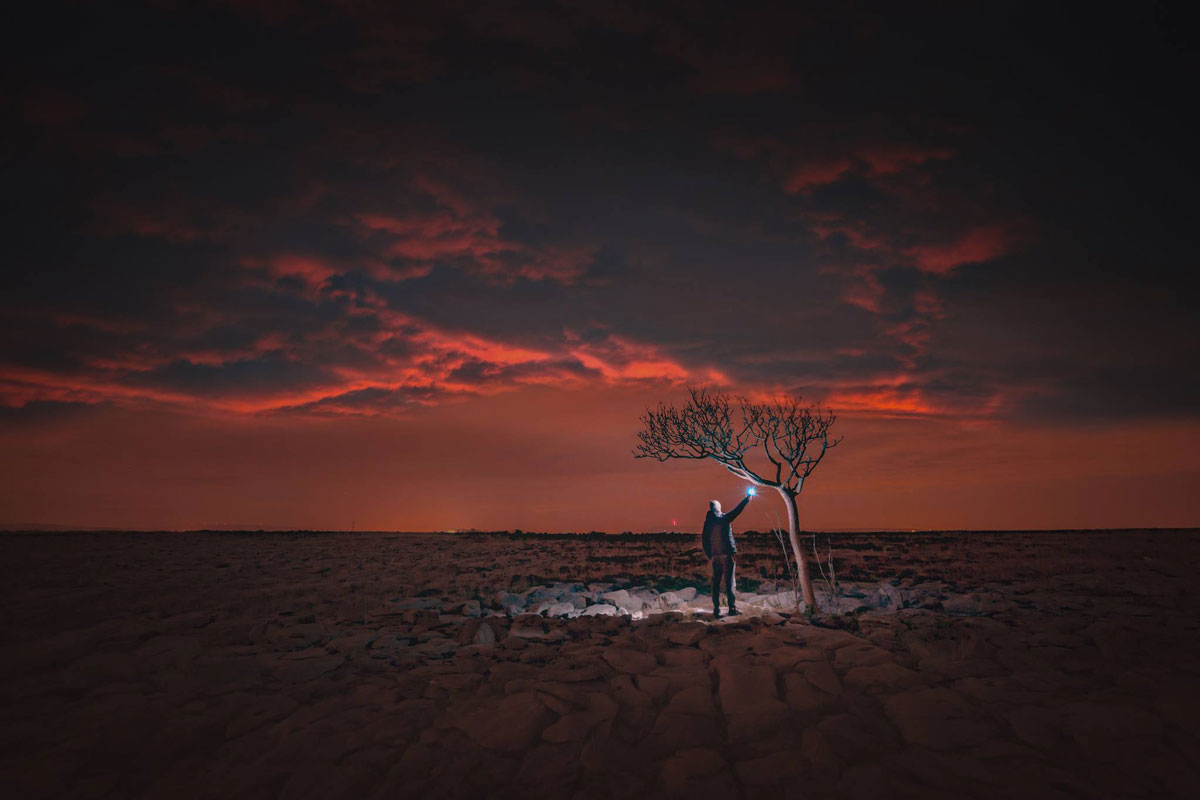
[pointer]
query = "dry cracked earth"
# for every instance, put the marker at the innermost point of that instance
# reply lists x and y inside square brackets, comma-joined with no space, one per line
[402,665]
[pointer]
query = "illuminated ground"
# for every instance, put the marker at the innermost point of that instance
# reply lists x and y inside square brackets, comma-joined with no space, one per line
[266,665]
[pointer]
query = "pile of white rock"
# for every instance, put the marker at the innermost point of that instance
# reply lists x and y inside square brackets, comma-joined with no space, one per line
[571,600]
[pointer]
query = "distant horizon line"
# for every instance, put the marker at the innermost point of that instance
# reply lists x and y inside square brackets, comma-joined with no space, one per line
[55,528]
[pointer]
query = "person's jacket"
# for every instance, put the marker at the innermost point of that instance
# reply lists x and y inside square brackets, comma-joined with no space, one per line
[717,529]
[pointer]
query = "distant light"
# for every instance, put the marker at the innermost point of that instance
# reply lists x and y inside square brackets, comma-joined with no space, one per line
[752,490]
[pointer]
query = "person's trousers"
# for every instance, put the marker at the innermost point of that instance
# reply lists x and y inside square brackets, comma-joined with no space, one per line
[722,567]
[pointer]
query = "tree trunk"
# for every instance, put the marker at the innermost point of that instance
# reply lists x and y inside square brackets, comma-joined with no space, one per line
[793,513]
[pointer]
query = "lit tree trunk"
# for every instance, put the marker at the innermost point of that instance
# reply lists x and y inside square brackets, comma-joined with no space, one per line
[791,436]
[793,513]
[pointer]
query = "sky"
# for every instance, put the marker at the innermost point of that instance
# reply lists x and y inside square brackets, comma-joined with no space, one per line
[350,264]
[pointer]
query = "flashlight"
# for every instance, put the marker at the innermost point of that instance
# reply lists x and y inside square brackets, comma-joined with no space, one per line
[752,491]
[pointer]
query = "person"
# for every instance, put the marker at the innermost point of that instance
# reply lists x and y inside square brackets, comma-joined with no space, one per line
[717,540]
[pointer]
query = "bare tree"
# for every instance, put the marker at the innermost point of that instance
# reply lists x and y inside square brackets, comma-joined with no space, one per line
[790,436]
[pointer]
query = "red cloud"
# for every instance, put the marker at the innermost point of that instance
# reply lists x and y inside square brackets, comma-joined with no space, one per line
[890,160]
[982,243]
[459,229]
[814,174]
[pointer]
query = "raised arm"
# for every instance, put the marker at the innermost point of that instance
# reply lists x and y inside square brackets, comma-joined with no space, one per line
[738,508]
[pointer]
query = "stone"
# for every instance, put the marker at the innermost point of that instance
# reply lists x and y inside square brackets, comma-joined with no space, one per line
[802,695]
[962,604]
[484,634]
[687,765]
[889,676]
[694,700]
[601,609]
[821,675]
[512,726]
[657,686]
[686,634]
[552,764]
[858,737]
[631,661]
[815,748]
[576,726]
[748,698]
[667,601]
[623,600]
[769,770]
[537,593]
[887,596]
[510,603]
[939,719]
[561,610]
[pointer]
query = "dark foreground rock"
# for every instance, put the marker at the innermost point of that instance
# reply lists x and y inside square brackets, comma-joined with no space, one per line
[319,666]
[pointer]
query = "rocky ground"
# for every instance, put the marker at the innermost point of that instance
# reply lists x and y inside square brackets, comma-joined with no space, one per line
[400,665]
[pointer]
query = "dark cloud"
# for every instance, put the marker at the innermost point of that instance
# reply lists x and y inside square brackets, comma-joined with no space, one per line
[914,209]
[267,375]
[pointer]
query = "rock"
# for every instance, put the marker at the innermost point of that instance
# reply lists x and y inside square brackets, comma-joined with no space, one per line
[623,600]
[637,709]
[686,634]
[349,644]
[630,661]
[822,676]
[437,647]
[861,654]
[966,605]
[686,766]
[802,695]
[514,643]
[549,765]
[576,726]
[939,719]
[887,596]
[484,634]
[657,686]
[1039,727]
[748,698]
[512,726]
[509,601]
[815,748]
[311,667]
[471,608]
[646,598]
[561,610]
[602,609]
[421,603]
[610,756]
[858,737]
[887,676]
[532,632]
[694,700]
[537,593]
[686,594]
[769,770]
[667,601]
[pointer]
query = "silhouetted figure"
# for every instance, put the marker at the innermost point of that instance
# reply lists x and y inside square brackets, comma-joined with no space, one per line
[717,541]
